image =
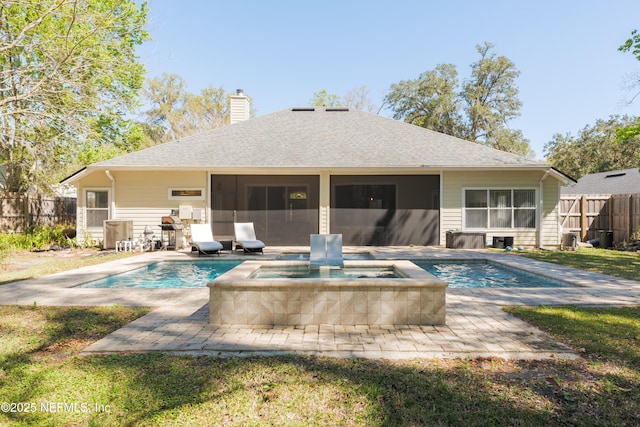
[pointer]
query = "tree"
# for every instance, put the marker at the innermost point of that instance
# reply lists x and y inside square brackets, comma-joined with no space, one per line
[68,78]
[174,112]
[491,101]
[166,95]
[430,101]
[479,110]
[359,98]
[325,99]
[594,149]
[631,45]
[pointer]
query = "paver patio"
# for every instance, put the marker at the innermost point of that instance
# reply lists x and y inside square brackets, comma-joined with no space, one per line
[476,325]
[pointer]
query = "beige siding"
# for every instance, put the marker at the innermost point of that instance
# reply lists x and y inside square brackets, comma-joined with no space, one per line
[550,217]
[95,180]
[453,184]
[143,197]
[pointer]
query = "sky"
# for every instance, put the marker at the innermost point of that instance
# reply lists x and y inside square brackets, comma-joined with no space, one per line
[280,52]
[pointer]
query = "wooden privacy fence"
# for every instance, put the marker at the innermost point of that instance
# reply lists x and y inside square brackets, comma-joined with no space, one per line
[588,214]
[18,211]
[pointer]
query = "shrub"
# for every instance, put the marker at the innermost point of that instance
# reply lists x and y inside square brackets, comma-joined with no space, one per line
[36,237]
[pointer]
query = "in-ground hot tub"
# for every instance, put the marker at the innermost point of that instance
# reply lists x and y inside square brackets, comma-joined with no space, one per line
[412,297]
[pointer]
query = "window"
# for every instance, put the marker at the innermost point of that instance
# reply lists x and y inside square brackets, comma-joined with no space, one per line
[186,194]
[499,208]
[97,207]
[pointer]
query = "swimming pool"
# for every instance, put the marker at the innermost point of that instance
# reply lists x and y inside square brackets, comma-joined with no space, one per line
[197,273]
[486,274]
[166,274]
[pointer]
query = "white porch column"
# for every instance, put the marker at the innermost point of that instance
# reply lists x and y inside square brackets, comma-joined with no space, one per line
[325,201]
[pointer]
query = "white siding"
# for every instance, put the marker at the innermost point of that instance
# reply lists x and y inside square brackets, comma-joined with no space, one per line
[95,180]
[453,184]
[550,217]
[239,108]
[143,197]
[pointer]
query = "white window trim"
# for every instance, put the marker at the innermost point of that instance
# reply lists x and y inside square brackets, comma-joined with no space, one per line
[464,209]
[84,207]
[172,197]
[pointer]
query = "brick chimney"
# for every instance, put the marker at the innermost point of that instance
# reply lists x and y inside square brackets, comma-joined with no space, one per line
[239,108]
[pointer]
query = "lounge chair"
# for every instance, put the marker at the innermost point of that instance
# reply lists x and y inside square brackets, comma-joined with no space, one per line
[202,240]
[246,238]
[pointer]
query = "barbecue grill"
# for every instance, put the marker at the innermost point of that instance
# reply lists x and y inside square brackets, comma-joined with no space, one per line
[172,227]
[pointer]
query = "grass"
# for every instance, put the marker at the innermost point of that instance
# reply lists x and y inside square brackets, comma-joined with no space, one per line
[614,263]
[40,370]
[22,264]
[40,367]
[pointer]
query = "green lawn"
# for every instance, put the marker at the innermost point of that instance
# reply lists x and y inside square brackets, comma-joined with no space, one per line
[44,382]
[615,263]
[22,264]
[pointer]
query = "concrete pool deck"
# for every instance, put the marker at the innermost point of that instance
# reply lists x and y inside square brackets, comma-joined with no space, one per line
[476,325]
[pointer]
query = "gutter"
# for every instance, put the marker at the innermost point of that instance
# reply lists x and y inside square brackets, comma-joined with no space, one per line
[113,194]
[541,207]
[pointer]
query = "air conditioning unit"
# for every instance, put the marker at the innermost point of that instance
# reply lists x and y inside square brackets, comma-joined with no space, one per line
[116,230]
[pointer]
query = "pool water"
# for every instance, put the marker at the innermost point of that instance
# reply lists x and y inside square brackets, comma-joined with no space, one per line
[197,273]
[486,274]
[168,274]
[305,272]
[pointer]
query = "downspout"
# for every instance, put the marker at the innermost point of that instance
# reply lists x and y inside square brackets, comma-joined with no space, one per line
[208,215]
[541,208]
[113,194]
[441,240]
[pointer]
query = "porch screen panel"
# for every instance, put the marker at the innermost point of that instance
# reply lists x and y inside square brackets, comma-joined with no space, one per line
[385,210]
[283,209]
[224,205]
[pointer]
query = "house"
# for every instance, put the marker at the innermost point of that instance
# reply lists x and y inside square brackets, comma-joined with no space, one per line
[308,170]
[626,181]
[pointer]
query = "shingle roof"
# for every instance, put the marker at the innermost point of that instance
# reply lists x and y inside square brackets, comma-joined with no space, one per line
[320,138]
[625,181]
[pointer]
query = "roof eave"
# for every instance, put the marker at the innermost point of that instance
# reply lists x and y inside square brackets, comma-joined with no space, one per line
[74,177]
[246,169]
[564,178]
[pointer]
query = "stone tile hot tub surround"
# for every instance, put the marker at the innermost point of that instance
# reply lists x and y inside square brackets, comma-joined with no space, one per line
[416,297]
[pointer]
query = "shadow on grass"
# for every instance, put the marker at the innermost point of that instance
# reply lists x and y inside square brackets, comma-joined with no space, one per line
[320,391]
[309,390]
[36,341]
[160,389]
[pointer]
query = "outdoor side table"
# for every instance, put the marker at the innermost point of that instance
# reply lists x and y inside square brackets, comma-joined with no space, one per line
[124,245]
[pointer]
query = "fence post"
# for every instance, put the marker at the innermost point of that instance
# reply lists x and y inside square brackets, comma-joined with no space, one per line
[610,207]
[629,217]
[583,218]
[26,212]
[58,209]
